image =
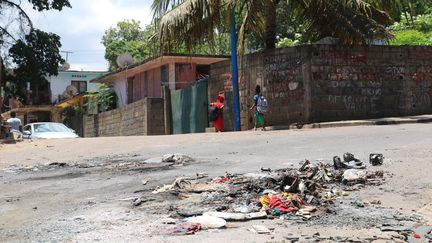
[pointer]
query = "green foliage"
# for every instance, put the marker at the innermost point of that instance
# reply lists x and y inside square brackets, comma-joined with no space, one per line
[287,42]
[411,37]
[261,24]
[105,99]
[416,30]
[137,49]
[128,37]
[68,113]
[41,5]
[36,57]
[128,30]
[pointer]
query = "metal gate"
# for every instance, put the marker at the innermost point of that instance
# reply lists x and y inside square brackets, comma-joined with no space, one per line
[189,109]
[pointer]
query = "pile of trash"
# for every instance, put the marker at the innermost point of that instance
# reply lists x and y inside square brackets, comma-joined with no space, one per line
[288,193]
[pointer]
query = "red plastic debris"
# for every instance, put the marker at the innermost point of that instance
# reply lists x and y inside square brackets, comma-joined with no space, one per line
[417,236]
[220,179]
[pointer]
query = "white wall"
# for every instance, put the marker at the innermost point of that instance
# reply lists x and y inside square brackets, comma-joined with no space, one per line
[120,89]
[59,83]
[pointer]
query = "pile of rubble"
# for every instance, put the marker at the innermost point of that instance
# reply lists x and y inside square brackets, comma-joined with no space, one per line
[291,194]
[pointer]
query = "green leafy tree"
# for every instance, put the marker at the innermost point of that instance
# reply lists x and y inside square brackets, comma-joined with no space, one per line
[415,30]
[15,25]
[195,21]
[36,57]
[105,99]
[127,37]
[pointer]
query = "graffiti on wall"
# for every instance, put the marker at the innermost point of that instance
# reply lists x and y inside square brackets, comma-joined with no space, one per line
[363,98]
[284,80]
[336,56]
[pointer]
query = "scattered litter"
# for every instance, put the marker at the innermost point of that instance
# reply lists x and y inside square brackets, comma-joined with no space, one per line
[238,216]
[376,159]
[144,182]
[220,179]
[208,222]
[168,221]
[177,158]
[263,169]
[375,202]
[350,162]
[357,203]
[59,164]
[260,229]
[187,228]
[354,175]
[310,192]
[137,202]
[201,175]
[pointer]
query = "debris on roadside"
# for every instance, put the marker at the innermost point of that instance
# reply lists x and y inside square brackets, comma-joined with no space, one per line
[376,159]
[186,228]
[260,229]
[208,222]
[177,159]
[289,194]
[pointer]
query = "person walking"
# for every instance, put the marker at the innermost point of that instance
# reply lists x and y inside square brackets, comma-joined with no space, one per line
[260,105]
[218,116]
[15,123]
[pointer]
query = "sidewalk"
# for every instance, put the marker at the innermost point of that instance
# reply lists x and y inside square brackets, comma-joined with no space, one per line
[366,122]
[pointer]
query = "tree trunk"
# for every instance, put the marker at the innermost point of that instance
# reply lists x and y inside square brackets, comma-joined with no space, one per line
[270,24]
[1,85]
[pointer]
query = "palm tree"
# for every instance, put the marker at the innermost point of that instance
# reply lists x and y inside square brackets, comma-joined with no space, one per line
[196,21]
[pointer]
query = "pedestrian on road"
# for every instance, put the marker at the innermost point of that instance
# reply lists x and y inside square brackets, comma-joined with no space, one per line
[15,123]
[218,109]
[259,114]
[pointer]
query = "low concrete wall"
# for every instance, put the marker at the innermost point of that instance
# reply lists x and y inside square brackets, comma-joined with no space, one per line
[318,83]
[144,117]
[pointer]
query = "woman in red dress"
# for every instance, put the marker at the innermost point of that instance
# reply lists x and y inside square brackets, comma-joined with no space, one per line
[219,105]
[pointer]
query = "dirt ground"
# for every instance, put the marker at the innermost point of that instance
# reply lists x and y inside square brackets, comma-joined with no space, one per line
[85,195]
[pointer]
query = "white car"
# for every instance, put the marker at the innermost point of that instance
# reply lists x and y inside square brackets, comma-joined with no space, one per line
[47,130]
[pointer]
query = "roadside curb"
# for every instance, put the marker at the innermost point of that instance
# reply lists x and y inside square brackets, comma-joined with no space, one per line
[351,123]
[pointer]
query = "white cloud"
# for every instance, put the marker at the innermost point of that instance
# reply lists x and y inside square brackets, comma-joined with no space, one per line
[102,14]
[82,27]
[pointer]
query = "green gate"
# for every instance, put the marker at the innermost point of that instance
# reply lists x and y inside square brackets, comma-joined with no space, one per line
[189,109]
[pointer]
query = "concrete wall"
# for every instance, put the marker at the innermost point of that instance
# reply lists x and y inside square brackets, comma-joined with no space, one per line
[315,83]
[144,117]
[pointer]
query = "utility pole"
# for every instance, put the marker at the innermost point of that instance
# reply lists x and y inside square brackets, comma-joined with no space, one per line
[67,54]
[235,85]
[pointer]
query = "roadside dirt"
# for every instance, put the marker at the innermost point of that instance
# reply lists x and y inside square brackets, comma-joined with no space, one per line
[87,195]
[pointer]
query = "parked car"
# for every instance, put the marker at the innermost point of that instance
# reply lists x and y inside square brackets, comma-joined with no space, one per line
[47,130]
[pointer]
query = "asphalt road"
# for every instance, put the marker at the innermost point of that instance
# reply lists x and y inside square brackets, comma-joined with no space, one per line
[82,204]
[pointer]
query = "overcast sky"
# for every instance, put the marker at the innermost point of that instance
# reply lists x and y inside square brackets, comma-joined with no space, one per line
[82,27]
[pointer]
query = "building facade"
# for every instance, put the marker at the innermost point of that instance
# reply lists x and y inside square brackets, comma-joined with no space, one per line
[147,78]
[79,80]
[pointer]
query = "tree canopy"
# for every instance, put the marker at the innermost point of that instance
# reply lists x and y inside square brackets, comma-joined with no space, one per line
[351,21]
[36,57]
[34,52]
[129,37]
[413,30]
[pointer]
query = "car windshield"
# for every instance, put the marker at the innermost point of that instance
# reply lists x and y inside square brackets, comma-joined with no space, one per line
[50,127]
